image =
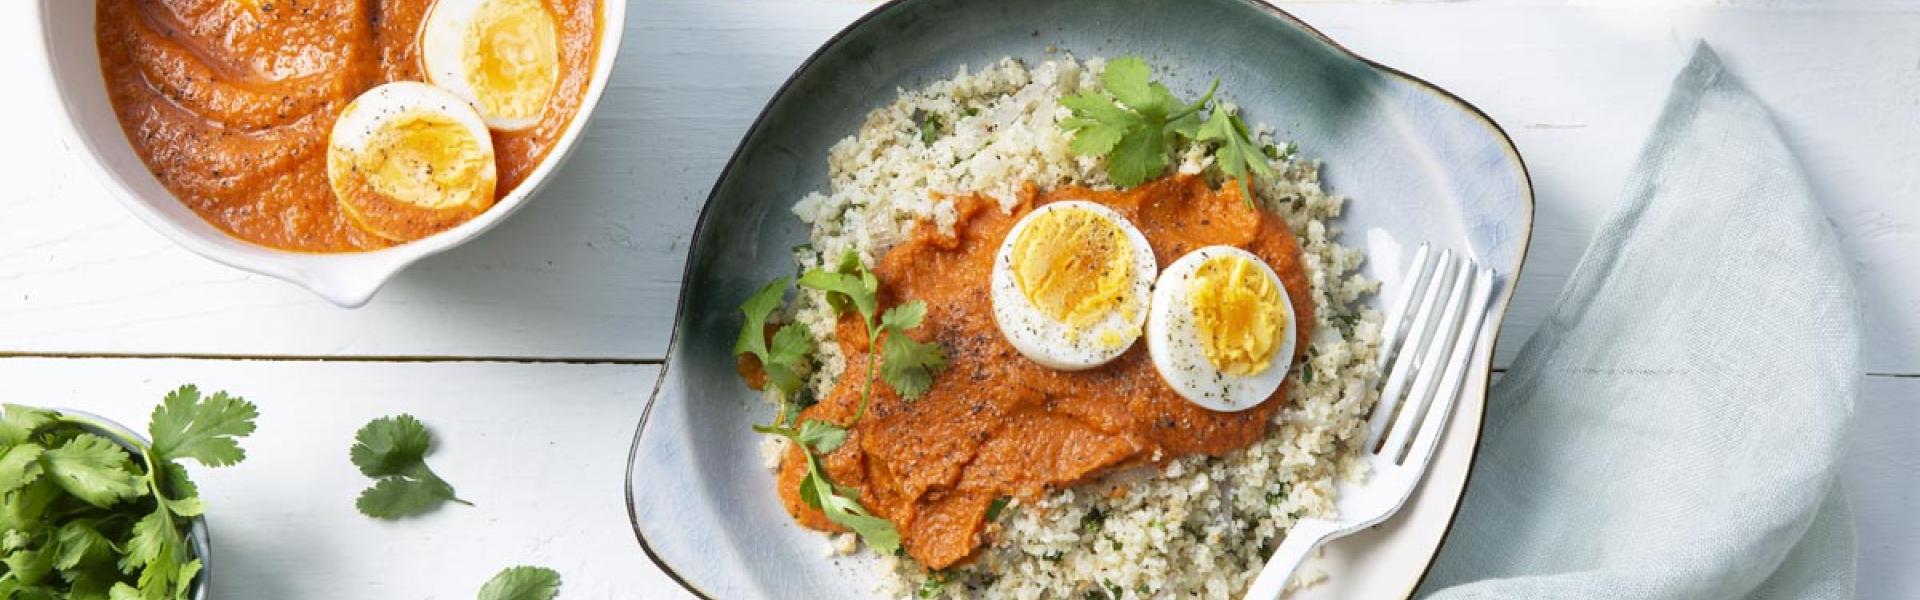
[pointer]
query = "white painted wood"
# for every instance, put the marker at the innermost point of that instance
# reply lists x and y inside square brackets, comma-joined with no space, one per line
[1882,476]
[540,449]
[591,268]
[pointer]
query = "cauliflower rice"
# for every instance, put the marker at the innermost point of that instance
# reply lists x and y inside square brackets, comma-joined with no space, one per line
[1199,527]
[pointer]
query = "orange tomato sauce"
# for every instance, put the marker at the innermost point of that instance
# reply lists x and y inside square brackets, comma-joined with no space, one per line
[229,102]
[997,424]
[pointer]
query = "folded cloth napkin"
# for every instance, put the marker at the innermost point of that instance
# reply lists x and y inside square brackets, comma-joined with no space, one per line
[1674,428]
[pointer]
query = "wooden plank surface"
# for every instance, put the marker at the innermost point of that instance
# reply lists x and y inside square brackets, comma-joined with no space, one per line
[541,449]
[591,269]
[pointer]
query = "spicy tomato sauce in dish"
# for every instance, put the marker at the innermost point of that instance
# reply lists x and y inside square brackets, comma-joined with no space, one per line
[996,424]
[230,103]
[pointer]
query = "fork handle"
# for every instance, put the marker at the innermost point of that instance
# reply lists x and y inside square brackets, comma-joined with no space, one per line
[1300,542]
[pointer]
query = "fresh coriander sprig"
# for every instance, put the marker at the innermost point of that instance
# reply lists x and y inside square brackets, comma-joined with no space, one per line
[81,517]
[909,365]
[1133,121]
[1136,123]
[393,451]
[908,368]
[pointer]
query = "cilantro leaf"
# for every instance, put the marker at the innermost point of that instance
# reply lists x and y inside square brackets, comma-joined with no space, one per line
[1136,123]
[1236,154]
[174,484]
[93,469]
[1142,154]
[822,436]
[994,508]
[390,446]
[1129,79]
[399,497]
[80,541]
[155,550]
[18,422]
[393,450]
[1097,124]
[122,591]
[860,289]
[909,364]
[522,583]
[929,129]
[791,344]
[816,490]
[753,332]
[183,580]
[29,565]
[19,466]
[904,317]
[1132,120]
[185,426]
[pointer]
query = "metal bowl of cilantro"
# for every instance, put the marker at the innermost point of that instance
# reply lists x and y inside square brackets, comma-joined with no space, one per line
[92,509]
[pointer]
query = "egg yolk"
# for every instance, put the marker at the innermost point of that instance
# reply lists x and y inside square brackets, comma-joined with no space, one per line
[1239,314]
[512,57]
[1074,265]
[426,159]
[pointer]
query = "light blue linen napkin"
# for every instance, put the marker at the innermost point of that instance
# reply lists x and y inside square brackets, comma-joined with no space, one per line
[1674,429]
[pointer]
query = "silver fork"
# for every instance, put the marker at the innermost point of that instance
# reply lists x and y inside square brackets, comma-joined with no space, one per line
[1425,351]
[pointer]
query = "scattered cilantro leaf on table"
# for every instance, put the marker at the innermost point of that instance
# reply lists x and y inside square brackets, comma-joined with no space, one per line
[393,451]
[522,583]
[83,517]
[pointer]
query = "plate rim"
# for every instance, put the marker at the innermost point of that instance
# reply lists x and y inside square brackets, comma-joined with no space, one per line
[700,222]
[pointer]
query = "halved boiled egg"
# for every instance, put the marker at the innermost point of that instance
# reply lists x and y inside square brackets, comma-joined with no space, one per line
[407,160]
[1221,329]
[1070,284]
[503,56]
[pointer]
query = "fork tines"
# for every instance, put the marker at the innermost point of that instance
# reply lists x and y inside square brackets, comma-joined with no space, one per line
[1424,350]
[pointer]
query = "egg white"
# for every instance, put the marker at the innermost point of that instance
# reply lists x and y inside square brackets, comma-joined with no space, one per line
[1060,345]
[1173,340]
[443,38]
[369,112]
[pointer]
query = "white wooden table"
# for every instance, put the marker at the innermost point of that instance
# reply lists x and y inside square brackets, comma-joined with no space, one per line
[532,350]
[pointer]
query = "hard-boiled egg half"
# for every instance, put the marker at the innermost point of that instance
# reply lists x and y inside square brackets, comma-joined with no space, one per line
[503,56]
[407,160]
[1071,283]
[1221,331]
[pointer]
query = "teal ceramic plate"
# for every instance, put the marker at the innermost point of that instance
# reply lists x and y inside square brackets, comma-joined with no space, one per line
[1416,163]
